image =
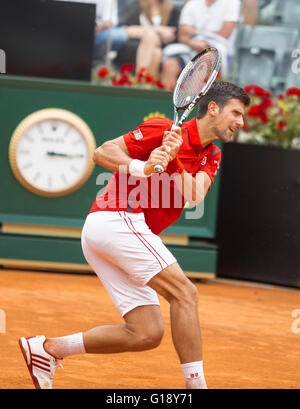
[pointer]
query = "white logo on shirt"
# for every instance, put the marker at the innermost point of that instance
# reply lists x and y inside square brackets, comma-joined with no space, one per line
[138,134]
[204,160]
[218,167]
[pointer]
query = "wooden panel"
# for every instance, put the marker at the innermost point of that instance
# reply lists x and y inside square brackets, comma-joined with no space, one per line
[67,252]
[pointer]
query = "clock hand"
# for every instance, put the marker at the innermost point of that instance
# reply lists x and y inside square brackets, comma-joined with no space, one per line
[65,155]
[77,155]
[56,154]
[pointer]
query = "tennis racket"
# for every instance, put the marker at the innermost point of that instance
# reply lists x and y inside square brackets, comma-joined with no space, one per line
[192,84]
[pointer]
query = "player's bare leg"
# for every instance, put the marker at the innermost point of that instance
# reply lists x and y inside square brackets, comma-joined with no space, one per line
[182,295]
[143,329]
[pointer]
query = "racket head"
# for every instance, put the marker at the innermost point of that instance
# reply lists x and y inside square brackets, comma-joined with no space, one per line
[196,77]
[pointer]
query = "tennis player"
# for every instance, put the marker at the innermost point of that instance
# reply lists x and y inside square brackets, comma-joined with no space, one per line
[120,236]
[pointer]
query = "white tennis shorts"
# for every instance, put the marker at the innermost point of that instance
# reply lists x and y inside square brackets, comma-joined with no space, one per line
[125,255]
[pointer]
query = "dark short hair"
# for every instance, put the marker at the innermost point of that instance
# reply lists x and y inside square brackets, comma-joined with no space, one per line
[221,93]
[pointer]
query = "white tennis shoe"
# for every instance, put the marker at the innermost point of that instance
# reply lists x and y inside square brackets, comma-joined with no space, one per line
[40,364]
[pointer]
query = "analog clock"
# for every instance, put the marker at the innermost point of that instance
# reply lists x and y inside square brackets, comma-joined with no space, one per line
[51,151]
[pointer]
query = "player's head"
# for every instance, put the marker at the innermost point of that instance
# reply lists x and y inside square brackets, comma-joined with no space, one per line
[224,107]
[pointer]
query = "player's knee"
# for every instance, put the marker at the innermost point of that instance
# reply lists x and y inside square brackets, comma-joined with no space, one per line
[150,339]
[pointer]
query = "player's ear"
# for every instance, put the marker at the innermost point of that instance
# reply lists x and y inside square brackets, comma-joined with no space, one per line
[213,109]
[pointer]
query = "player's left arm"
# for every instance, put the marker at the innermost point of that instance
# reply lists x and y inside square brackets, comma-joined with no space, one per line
[114,155]
[111,154]
[193,188]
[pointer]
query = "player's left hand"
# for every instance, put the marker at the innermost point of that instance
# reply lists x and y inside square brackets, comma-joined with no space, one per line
[159,156]
[173,140]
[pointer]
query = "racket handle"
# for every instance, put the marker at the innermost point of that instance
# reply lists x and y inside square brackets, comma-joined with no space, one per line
[158,168]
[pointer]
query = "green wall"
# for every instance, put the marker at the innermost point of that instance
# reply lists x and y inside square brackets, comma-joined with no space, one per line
[109,112]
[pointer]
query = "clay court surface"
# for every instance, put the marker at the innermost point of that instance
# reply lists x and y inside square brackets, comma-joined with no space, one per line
[247,335]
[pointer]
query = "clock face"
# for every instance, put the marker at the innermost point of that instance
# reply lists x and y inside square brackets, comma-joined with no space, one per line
[51,152]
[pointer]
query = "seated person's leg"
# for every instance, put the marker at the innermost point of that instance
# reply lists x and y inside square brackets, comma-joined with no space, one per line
[170,70]
[175,58]
[116,35]
[147,51]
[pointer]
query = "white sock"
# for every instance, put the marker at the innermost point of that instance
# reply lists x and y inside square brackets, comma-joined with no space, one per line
[65,346]
[194,375]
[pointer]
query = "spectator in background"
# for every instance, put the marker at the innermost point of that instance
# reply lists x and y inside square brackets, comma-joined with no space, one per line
[250,12]
[202,23]
[109,35]
[150,26]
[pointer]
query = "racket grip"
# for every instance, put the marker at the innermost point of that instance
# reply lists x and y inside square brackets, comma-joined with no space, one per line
[158,168]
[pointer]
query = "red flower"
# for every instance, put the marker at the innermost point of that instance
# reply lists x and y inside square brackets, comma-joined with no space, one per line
[266,94]
[159,84]
[259,111]
[257,91]
[125,68]
[281,96]
[281,125]
[115,82]
[141,71]
[293,91]
[103,72]
[148,78]
[264,118]
[123,79]
[266,103]
[255,111]
[249,88]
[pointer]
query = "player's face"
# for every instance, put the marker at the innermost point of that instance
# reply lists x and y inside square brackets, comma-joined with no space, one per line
[229,120]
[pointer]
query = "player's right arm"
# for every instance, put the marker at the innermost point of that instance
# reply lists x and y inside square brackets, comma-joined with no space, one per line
[113,155]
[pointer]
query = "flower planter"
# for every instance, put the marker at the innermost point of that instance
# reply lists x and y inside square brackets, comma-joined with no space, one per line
[258,228]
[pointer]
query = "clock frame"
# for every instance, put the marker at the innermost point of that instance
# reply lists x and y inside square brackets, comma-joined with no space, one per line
[55,114]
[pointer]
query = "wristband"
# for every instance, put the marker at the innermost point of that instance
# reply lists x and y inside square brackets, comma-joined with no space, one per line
[175,166]
[136,168]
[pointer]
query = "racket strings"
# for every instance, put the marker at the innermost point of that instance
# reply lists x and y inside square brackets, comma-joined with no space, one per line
[194,78]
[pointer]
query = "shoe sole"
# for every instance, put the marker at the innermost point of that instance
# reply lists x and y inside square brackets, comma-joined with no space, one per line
[23,343]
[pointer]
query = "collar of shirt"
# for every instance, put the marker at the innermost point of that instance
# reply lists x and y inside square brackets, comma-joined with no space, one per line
[193,133]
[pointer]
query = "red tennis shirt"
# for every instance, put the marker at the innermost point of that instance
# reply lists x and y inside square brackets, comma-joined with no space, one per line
[157,196]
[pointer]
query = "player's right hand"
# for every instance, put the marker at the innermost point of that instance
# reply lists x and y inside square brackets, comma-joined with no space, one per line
[159,156]
[173,140]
